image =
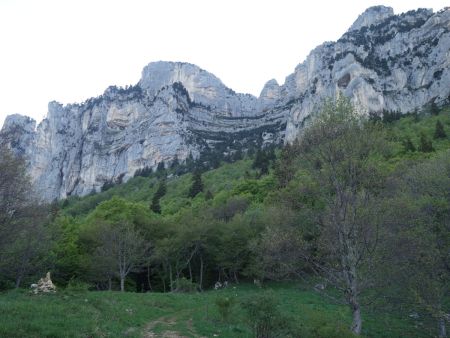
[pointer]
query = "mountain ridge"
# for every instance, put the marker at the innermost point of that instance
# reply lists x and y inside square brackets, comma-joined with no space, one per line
[384,62]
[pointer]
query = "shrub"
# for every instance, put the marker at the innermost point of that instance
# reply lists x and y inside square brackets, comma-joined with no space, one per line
[184,285]
[224,306]
[439,131]
[264,316]
[76,285]
[425,146]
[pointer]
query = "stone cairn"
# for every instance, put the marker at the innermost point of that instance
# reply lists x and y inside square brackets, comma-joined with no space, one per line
[45,285]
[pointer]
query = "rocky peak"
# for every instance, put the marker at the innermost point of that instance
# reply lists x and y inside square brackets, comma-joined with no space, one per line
[270,95]
[199,83]
[18,133]
[17,121]
[203,87]
[372,15]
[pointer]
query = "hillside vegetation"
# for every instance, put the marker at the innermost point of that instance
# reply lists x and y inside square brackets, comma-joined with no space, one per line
[354,215]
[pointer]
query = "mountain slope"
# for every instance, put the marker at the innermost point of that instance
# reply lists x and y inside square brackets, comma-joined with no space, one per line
[384,62]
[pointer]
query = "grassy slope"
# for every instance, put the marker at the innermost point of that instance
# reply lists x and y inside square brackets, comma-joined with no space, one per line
[114,314]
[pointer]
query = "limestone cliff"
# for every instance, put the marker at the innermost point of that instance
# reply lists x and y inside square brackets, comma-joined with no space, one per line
[384,62]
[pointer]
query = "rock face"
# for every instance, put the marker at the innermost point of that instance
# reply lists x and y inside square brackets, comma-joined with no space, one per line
[175,110]
[384,62]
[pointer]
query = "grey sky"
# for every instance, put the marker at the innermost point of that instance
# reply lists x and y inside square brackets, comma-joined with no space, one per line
[69,51]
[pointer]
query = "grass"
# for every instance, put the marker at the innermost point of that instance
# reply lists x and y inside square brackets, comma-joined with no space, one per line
[115,314]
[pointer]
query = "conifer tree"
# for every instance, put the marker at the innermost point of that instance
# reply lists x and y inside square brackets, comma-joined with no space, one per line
[425,146]
[439,132]
[160,192]
[197,184]
[408,145]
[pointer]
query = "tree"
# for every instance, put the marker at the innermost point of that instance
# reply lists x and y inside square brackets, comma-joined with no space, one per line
[14,191]
[122,246]
[425,145]
[114,230]
[439,131]
[23,237]
[197,184]
[159,193]
[26,251]
[408,146]
[434,109]
[337,151]
[417,244]
[175,162]
[261,162]
[161,169]
[285,167]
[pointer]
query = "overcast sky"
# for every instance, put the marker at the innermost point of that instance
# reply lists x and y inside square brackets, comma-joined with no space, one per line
[69,51]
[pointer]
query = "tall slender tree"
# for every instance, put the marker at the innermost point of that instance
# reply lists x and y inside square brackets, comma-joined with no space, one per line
[336,151]
[197,184]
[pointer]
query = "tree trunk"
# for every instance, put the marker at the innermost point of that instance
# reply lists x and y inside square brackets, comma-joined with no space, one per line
[190,271]
[18,280]
[164,283]
[109,284]
[148,278]
[122,283]
[442,328]
[170,277]
[201,273]
[357,321]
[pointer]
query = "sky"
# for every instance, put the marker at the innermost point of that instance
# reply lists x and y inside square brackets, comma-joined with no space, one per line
[71,50]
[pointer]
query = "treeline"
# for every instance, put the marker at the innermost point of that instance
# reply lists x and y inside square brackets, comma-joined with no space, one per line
[349,203]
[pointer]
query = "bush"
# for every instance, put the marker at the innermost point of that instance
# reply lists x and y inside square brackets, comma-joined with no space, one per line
[184,285]
[264,316]
[320,326]
[224,306]
[75,285]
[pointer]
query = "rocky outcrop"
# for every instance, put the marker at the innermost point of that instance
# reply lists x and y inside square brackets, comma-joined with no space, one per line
[44,285]
[175,110]
[384,62]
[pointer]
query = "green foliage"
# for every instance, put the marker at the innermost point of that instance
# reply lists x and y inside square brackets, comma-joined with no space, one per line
[408,145]
[425,146]
[246,225]
[224,307]
[160,192]
[264,316]
[197,184]
[184,285]
[263,159]
[439,132]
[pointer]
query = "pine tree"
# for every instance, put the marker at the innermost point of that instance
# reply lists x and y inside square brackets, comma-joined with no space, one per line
[208,195]
[439,132]
[197,184]
[160,192]
[434,109]
[261,162]
[175,162]
[161,169]
[408,145]
[425,146]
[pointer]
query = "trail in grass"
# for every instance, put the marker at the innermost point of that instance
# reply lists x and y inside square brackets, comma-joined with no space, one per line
[169,326]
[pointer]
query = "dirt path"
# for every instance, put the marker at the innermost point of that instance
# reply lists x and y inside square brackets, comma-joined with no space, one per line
[168,323]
